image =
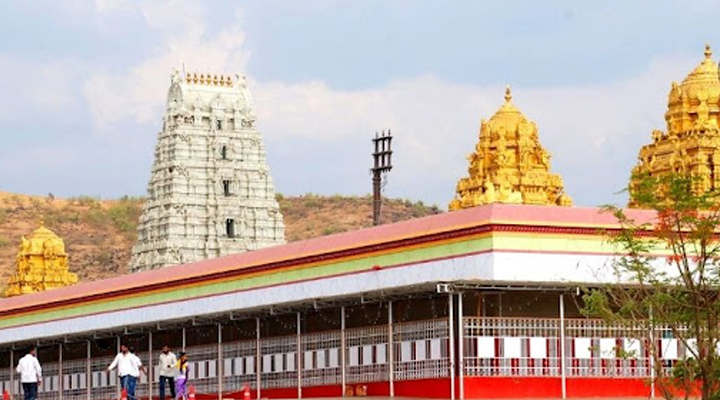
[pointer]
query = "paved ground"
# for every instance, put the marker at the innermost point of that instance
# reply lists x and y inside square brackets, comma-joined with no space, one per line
[416,398]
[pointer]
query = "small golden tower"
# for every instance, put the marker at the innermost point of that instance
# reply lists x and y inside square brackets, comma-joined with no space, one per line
[691,144]
[509,165]
[42,264]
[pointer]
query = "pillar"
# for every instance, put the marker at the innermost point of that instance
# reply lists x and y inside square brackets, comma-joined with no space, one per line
[299,357]
[343,350]
[452,346]
[461,345]
[220,364]
[12,372]
[391,350]
[88,370]
[151,362]
[258,358]
[563,381]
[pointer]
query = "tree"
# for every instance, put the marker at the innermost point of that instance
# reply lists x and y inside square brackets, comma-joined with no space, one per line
[667,279]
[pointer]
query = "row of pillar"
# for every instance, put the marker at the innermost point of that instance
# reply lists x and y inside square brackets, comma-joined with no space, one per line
[258,357]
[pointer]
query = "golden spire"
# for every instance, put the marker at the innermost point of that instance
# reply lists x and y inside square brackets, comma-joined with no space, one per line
[42,264]
[509,165]
[691,142]
[208,80]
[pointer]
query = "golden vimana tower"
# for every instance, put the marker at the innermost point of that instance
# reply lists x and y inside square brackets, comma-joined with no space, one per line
[691,145]
[42,264]
[509,165]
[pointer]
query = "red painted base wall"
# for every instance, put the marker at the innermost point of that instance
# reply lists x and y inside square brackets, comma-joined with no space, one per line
[512,388]
[424,388]
[475,388]
[607,387]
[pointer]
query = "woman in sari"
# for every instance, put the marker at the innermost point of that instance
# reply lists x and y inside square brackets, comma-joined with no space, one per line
[181,379]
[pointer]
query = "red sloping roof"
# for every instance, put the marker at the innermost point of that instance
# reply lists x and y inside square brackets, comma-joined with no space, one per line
[478,216]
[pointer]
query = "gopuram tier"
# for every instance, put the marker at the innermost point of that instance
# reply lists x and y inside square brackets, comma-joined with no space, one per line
[210,192]
[691,144]
[42,264]
[509,165]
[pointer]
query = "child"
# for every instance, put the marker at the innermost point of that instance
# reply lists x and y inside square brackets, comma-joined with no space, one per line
[181,379]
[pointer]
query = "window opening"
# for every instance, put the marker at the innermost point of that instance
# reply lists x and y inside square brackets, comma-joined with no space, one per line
[230,227]
[226,188]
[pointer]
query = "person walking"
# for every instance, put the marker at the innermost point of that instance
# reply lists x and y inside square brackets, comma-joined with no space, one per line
[166,365]
[30,373]
[129,367]
[181,379]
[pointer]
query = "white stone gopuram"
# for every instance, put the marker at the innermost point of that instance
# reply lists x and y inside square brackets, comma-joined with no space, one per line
[210,192]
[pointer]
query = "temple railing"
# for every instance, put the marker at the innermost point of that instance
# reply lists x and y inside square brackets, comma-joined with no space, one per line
[422,349]
[321,359]
[511,347]
[485,347]
[239,363]
[593,348]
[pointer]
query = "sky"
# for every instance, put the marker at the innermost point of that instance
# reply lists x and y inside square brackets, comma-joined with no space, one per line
[83,86]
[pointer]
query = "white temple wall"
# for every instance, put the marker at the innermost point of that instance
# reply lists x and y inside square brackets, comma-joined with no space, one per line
[191,168]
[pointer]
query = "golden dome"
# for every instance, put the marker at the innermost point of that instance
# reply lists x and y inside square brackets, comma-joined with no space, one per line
[43,238]
[704,76]
[509,165]
[696,98]
[41,263]
[691,144]
[507,114]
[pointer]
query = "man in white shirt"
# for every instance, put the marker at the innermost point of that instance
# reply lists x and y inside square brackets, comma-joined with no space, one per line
[129,367]
[30,374]
[166,364]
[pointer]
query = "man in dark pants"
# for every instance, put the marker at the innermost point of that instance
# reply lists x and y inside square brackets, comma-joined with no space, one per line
[167,364]
[30,374]
[129,367]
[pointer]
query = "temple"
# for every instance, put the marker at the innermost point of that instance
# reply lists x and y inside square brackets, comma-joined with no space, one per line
[481,303]
[691,144]
[210,191]
[42,264]
[509,165]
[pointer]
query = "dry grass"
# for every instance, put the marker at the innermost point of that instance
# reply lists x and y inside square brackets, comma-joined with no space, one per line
[99,234]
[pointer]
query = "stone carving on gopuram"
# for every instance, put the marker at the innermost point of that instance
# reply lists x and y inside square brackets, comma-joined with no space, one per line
[210,192]
[691,144]
[509,165]
[42,264]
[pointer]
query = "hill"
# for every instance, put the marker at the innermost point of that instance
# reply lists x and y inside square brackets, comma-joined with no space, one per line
[99,234]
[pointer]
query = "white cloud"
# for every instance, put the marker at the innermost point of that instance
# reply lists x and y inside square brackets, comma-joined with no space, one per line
[33,87]
[138,95]
[594,131]
[110,6]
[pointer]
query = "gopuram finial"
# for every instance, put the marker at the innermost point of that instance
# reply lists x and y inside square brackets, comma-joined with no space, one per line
[508,94]
[708,51]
